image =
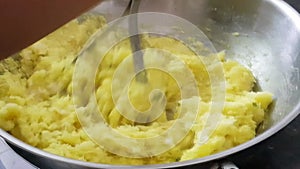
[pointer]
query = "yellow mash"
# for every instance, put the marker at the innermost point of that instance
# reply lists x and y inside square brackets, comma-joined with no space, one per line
[36,99]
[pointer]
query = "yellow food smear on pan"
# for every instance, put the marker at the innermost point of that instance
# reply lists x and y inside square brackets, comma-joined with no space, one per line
[36,99]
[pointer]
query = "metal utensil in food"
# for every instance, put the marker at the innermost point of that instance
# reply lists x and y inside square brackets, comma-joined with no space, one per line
[135,41]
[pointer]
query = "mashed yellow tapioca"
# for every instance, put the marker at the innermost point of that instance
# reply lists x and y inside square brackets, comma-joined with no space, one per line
[37,107]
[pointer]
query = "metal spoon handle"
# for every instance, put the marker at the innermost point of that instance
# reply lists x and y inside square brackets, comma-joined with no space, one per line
[135,42]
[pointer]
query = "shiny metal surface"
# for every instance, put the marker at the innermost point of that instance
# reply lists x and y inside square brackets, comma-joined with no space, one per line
[10,160]
[267,42]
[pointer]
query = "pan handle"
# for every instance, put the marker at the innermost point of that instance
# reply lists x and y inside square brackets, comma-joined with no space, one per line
[10,159]
[224,165]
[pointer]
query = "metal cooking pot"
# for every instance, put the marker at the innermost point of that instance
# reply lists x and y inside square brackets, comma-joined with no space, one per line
[268,44]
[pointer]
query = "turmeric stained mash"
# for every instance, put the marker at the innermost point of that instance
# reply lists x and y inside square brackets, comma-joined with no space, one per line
[36,99]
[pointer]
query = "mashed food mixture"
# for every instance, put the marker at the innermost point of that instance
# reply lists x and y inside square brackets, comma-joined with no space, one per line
[36,103]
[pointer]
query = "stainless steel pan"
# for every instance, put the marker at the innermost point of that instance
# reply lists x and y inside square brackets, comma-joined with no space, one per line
[268,43]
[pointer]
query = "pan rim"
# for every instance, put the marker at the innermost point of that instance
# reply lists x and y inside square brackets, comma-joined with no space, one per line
[284,7]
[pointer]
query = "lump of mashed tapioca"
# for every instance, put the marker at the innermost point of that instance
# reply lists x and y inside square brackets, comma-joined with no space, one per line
[37,107]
